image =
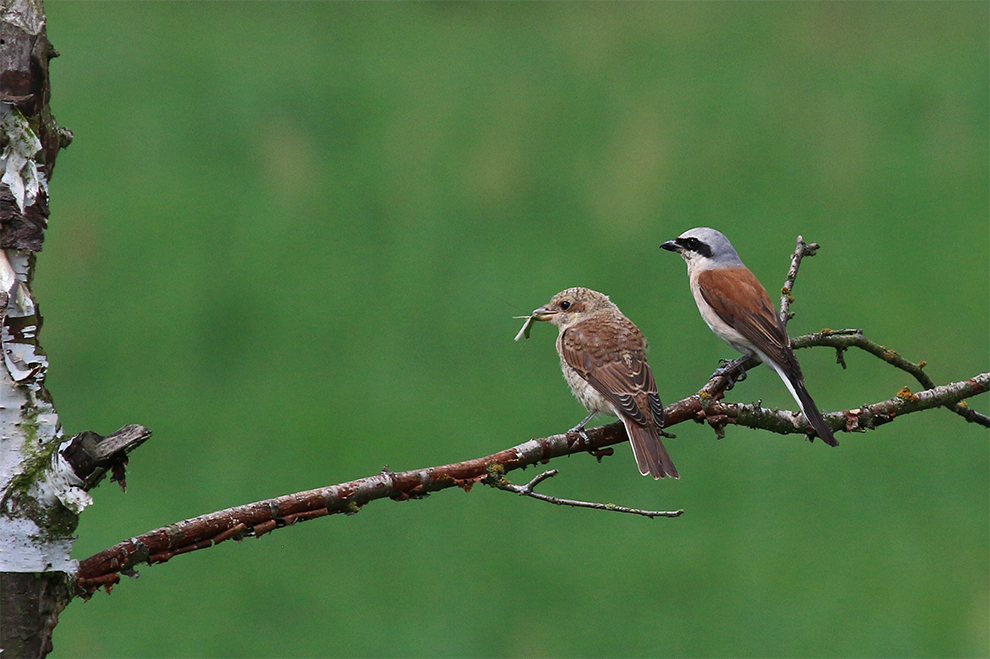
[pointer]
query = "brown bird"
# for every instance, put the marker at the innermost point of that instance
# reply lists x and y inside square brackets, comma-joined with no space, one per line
[603,356]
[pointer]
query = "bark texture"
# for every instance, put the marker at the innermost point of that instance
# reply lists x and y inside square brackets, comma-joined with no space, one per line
[38,508]
[31,604]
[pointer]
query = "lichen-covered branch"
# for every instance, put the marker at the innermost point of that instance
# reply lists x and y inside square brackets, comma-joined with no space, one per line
[858,419]
[844,339]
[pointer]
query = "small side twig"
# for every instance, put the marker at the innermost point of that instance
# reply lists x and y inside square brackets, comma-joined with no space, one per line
[499,481]
[800,251]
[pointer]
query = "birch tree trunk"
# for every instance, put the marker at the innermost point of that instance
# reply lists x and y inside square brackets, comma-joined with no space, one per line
[40,495]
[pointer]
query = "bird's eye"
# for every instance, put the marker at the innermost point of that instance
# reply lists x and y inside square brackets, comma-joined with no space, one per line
[697,246]
[565,305]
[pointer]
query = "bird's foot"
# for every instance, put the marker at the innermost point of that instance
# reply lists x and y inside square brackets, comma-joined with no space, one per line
[726,369]
[579,431]
[579,428]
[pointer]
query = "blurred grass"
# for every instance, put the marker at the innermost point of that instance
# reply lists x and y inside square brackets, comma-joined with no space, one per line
[290,238]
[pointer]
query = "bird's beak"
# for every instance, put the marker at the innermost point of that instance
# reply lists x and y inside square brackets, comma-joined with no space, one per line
[543,314]
[672,246]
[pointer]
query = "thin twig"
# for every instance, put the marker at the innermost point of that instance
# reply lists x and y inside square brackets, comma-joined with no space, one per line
[498,480]
[753,416]
[800,251]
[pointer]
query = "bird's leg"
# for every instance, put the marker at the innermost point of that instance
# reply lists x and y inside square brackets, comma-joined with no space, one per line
[579,428]
[726,368]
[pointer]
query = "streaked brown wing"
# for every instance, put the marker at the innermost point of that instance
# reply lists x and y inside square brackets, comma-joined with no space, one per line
[656,406]
[610,354]
[731,292]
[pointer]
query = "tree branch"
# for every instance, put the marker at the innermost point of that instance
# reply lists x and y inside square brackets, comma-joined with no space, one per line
[859,419]
[256,519]
[498,480]
[844,339]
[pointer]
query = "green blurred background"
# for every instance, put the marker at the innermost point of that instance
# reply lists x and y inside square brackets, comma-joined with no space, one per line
[290,239]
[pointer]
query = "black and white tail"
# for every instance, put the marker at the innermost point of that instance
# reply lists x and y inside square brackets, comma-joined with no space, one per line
[796,386]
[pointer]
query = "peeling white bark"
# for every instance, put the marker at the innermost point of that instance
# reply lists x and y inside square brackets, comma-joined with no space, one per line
[17,163]
[39,490]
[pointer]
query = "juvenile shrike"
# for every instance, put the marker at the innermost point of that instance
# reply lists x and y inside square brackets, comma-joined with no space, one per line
[738,309]
[603,356]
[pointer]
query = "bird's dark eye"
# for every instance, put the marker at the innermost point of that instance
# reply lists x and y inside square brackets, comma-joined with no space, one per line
[565,305]
[692,244]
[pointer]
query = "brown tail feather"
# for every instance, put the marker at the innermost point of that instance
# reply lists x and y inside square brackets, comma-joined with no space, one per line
[651,455]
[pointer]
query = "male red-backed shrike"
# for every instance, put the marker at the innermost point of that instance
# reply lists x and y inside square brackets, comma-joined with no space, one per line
[738,309]
[603,356]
